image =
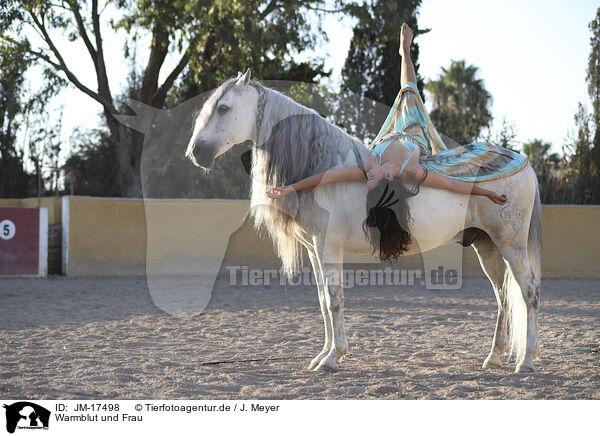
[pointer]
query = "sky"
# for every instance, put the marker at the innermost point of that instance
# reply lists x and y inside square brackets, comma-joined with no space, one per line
[531,54]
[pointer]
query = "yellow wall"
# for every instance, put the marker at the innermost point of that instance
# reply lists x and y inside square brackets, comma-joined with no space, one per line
[109,236]
[105,237]
[571,241]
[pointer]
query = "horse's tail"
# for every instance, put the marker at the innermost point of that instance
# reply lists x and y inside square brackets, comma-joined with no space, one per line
[534,241]
[516,308]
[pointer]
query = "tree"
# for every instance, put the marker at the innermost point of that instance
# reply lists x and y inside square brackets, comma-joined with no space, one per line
[461,104]
[584,170]
[546,166]
[205,35]
[593,74]
[537,150]
[593,80]
[20,109]
[504,136]
[371,73]
[92,170]
[15,182]
[582,175]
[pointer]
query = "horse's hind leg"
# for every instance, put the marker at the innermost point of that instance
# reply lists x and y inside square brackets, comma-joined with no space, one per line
[316,265]
[494,267]
[524,329]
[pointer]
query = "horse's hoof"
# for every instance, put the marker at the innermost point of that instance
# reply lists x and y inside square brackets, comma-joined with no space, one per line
[525,367]
[492,362]
[315,362]
[327,365]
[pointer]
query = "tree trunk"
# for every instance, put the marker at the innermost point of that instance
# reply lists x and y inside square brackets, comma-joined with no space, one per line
[128,163]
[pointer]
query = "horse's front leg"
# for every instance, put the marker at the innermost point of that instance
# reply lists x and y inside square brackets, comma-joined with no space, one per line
[316,265]
[334,299]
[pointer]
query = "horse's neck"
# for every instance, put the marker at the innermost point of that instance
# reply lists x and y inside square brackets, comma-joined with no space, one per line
[279,107]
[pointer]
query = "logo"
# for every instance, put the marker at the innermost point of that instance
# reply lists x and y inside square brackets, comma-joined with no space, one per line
[26,415]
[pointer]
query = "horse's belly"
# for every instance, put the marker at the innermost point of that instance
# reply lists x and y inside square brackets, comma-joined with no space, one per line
[436,217]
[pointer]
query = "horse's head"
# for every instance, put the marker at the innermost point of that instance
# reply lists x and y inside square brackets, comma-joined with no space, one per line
[227,118]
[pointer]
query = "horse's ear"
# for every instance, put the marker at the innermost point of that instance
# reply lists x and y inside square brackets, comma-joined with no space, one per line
[243,80]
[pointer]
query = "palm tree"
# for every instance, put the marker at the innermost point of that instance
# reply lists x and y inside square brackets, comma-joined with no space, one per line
[547,169]
[461,104]
[537,150]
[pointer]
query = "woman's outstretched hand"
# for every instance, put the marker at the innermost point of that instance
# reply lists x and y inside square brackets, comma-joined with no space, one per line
[279,192]
[498,199]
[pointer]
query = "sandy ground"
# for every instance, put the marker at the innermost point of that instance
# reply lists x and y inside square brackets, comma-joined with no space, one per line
[68,338]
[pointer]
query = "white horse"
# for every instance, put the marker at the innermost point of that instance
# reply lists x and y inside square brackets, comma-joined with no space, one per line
[327,220]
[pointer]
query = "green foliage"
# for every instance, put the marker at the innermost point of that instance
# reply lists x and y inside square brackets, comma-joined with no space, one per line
[593,79]
[371,74]
[505,136]
[460,102]
[593,73]
[537,152]
[15,181]
[44,145]
[372,68]
[545,164]
[92,170]
[262,35]
[584,164]
[210,40]
[579,178]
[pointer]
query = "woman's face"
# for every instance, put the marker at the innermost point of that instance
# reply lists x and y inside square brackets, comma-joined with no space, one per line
[374,175]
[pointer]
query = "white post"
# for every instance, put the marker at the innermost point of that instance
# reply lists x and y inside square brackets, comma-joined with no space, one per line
[65,235]
[43,243]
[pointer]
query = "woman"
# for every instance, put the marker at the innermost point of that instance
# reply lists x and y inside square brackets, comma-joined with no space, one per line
[396,169]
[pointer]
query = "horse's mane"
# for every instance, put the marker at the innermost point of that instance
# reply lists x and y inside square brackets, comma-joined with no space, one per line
[295,142]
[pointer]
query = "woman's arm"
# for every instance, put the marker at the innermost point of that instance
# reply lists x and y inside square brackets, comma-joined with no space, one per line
[349,174]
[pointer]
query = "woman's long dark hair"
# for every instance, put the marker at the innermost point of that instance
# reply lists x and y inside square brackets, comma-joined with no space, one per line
[388,215]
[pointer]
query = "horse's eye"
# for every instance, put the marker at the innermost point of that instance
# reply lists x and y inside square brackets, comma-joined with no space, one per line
[222,109]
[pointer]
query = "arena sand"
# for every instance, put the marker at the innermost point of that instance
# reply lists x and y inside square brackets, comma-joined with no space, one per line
[102,338]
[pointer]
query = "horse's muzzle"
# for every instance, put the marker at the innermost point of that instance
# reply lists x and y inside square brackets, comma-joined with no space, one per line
[204,153]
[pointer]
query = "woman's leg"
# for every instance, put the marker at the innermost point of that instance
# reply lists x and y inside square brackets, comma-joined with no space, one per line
[407,73]
[439,181]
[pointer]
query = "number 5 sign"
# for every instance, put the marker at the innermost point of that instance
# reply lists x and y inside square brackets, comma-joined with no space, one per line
[7,229]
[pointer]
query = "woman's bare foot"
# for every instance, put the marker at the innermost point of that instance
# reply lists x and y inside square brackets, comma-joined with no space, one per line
[406,37]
